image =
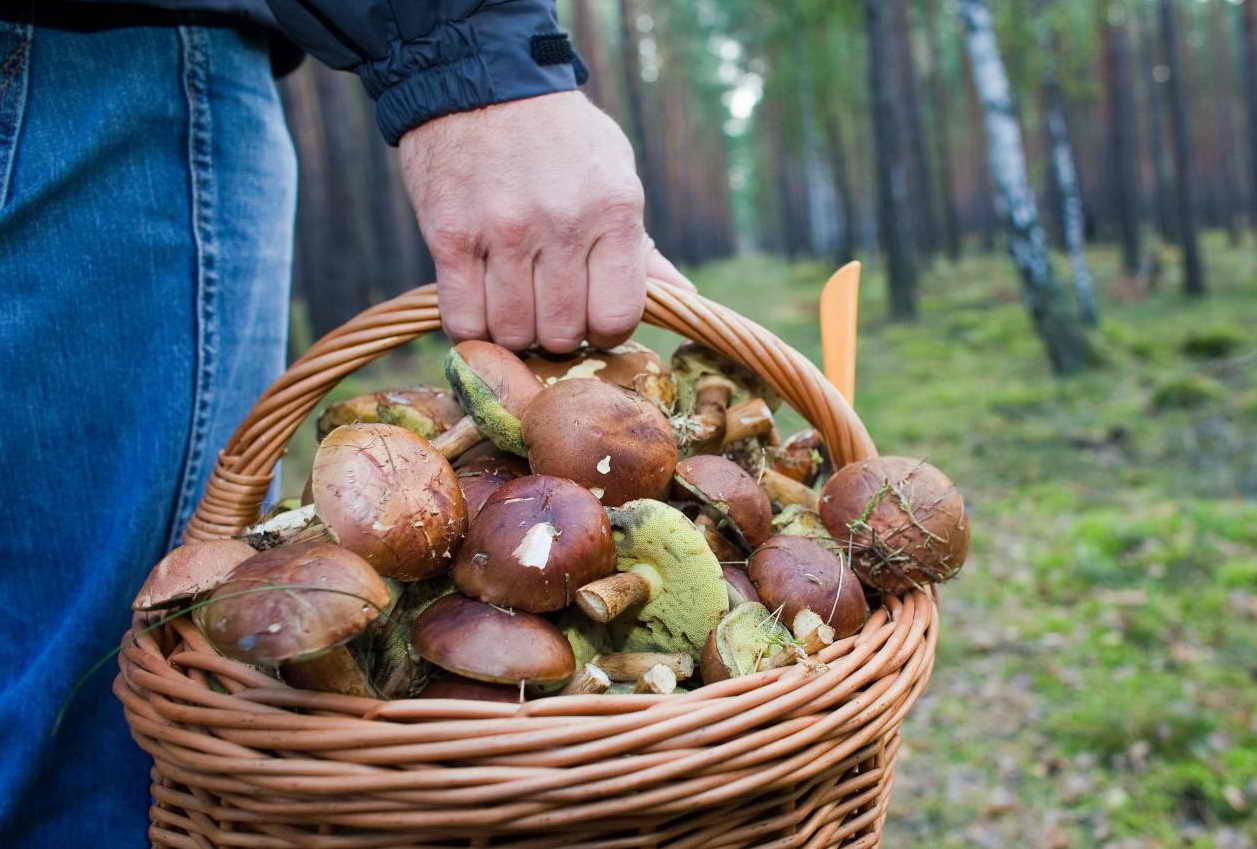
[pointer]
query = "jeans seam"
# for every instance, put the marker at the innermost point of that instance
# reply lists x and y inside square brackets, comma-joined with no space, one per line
[14,71]
[196,61]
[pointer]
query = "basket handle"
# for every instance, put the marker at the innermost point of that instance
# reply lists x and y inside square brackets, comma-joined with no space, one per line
[243,473]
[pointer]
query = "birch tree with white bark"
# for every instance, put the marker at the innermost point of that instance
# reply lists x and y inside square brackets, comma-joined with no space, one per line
[1063,336]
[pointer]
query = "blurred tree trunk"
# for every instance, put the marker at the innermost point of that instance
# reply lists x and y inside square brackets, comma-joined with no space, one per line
[844,247]
[587,32]
[940,113]
[1184,175]
[1228,181]
[1123,164]
[1248,30]
[637,128]
[1150,72]
[912,130]
[1065,175]
[985,207]
[892,164]
[1063,336]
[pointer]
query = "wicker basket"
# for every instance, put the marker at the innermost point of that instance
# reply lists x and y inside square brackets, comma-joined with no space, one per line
[796,757]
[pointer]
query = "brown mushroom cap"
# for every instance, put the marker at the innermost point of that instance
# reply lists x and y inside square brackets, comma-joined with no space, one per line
[605,438]
[479,478]
[629,366]
[803,456]
[793,574]
[480,641]
[725,487]
[495,387]
[425,410]
[189,570]
[390,497]
[451,686]
[536,541]
[739,586]
[291,603]
[903,520]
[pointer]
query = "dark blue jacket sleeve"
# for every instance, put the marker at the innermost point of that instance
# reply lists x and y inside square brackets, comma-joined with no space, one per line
[421,59]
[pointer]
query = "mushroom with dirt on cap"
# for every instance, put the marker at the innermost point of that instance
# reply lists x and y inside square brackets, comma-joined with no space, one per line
[190,570]
[794,573]
[630,365]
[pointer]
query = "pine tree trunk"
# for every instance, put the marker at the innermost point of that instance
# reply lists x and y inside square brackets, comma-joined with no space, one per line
[984,210]
[1248,28]
[1228,180]
[893,214]
[1066,342]
[940,112]
[1184,174]
[844,247]
[1163,190]
[1123,147]
[921,188]
[1072,216]
[648,166]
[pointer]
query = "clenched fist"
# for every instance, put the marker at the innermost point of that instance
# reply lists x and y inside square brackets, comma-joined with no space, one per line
[533,212]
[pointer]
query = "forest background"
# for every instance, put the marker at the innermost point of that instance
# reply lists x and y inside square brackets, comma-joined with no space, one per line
[1055,202]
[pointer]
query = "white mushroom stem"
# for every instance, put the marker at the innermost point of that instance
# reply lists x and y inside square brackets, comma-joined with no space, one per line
[458,439]
[811,631]
[784,491]
[334,671]
[659,679]
[749,420]
[588,680]
[632,665]
[606,598]
[712,394]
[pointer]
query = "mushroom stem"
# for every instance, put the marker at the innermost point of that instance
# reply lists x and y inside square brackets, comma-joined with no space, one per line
[784,491]
[460,438]
[659,679]
[588,680]
[334,671]
[632,665]
[711,399]
[607,598]
[750,419]
[811,631]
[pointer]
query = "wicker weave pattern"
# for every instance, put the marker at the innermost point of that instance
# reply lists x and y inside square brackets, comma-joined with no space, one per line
[796,757]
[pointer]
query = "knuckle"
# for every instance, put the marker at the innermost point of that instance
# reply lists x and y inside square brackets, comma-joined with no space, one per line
[624,205]
[512,231]
[450,241]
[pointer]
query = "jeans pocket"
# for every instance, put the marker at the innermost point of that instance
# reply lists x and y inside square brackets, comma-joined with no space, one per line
[15,53]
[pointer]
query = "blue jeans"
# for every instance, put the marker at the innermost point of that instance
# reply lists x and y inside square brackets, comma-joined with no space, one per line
[147,195]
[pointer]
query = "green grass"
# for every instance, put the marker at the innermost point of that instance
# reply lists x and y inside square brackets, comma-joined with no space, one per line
[1097,676]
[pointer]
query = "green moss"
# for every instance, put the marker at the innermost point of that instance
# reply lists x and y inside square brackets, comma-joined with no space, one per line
[1213,343]
[1186,392]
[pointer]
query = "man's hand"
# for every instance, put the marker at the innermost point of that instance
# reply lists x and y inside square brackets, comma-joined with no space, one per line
[533,212]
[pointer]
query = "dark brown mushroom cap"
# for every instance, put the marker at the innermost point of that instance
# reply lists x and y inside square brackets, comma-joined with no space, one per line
[608,439]
[189,570]
[536,541]
[692,361]
[480,641]
[390,497]
[803,456]
[903,520]
[451,686]
[511,383]
[425,410]
[724,486]
[480,478]
[793,574]
[629,366]
[739,586]
[292,602]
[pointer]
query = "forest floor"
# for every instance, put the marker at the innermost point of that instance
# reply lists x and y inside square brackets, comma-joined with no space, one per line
[1096,683]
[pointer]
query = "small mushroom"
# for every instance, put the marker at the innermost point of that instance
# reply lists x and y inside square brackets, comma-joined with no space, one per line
[708,383]
[484,642]
[495,387]
[387,495]
[450,686]
[722,486]
[802,457]
[190,570]
[793,574]
[535,542]
[479,478]
[605,438]
[294,608]
[750,419]
[424,410]
[630,366]
[669,582]
[749,639]
[903,520]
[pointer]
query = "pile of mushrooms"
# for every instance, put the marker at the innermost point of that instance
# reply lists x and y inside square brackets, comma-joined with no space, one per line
[599,522]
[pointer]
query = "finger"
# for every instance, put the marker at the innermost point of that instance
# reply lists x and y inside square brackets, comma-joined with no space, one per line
[660,268]
[617,286]
[508,291]
[460,295]
[560,284]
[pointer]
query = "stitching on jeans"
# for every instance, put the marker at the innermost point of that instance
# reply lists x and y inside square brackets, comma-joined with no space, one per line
[14,73]
[196,70]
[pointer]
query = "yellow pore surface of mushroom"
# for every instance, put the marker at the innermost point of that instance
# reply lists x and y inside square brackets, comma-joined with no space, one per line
[688,596]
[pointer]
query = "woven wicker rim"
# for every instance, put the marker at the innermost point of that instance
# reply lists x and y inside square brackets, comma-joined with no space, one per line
[806,750]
